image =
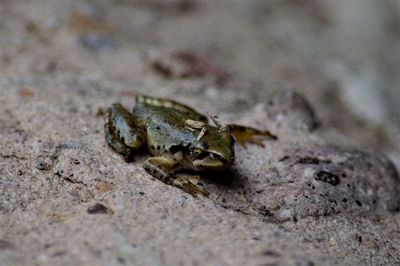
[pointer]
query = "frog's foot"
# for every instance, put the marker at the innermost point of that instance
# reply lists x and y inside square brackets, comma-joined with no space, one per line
[188,184]
[163,168]
[243,135]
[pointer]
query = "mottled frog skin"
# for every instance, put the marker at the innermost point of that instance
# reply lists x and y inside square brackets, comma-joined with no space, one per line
[177,136]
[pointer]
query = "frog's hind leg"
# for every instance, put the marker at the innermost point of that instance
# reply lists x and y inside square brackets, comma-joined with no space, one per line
[164,167]
[122,132]
[190,112]
[244,135]
[117,146]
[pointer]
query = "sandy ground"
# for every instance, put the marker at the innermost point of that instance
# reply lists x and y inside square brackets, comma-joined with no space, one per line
[323,76]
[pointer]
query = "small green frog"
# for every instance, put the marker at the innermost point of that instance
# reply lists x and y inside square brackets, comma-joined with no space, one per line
[178,137]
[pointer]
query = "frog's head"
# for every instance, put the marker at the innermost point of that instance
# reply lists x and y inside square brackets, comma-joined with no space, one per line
[213,149]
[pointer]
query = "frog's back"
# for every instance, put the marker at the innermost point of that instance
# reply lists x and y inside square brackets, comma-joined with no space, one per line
[165,122]
[160,106]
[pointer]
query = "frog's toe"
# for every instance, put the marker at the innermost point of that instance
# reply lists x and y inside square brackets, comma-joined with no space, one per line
[255,142]
[186,184]
[243,135]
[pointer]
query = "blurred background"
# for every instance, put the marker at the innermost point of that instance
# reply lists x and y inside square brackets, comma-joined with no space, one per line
[342,55]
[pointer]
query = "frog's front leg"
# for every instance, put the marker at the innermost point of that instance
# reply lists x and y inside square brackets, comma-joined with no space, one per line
[244,135]
[122,131]
[164,167]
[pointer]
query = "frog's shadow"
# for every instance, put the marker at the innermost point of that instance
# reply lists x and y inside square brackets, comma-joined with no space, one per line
[224,180]
[228,189]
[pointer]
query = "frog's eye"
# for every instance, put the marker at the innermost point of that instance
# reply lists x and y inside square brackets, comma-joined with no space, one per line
[224,129]
[196,152]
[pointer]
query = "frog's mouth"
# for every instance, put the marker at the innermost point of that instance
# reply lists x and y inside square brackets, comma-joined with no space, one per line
[208,160]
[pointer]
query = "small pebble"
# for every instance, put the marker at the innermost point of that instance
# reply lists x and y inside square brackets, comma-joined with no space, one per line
[98,208]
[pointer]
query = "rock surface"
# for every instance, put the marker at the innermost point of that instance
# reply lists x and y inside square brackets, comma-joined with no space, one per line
[323,193]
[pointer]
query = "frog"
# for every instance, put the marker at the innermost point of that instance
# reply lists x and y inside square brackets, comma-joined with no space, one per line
[178,138]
